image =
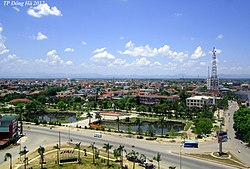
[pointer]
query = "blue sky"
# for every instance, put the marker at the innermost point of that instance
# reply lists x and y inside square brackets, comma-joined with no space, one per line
[124,37]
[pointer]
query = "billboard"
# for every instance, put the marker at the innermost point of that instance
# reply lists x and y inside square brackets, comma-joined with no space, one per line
[222,138]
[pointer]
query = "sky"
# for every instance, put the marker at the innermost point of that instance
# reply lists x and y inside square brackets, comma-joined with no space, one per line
[124,37]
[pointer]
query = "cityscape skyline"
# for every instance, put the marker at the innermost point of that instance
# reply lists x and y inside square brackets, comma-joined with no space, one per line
[124,37]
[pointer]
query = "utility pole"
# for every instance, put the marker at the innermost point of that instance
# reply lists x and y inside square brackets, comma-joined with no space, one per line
[59,139]
[180,156]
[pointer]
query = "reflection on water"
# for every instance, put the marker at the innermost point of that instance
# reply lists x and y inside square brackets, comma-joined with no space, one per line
[48,118]
[177,126]
[59,117]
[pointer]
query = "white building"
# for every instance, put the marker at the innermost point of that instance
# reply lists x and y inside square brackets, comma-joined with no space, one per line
[200,101]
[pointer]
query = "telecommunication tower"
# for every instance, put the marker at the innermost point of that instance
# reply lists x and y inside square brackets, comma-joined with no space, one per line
[213,81]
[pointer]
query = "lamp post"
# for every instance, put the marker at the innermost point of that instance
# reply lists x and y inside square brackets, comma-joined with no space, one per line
[59,139]
[69,134]
[180,156]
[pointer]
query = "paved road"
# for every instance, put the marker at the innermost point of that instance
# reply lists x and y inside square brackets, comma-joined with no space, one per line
[234,144]
[44,136]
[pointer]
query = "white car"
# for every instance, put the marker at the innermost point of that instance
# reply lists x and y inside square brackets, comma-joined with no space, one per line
[98,135]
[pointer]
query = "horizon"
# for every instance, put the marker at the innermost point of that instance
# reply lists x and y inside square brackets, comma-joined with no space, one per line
[124,38]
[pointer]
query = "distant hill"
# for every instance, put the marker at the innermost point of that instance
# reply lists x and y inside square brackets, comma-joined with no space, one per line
[102,76]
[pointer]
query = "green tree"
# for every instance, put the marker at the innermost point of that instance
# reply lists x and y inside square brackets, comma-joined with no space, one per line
[61,105]
[107,147]
[57,147]
[89,116]
[98,116]
[162,123]
[92,146]
[41,151]
[203,126]
[247,137]
[134,155]
[8,155]
[172,133]
[150,131]
[242,123]
[121,150]
[158,159]
[78,147]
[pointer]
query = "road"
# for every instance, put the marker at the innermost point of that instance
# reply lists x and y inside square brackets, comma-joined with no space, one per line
[45,136]
[234,144]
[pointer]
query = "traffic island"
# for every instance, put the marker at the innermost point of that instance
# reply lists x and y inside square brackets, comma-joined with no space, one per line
[226,159]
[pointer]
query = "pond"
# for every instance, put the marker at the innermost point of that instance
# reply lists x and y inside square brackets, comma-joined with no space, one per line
[177,126]
[55,117]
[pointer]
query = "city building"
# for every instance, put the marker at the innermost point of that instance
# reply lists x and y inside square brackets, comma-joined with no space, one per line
[8,127]
[200,101]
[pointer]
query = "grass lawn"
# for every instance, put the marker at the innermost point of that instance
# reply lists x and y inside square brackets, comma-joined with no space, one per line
[207,156]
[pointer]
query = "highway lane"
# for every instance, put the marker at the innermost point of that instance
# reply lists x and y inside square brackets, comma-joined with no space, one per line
[44,136]
[234,144]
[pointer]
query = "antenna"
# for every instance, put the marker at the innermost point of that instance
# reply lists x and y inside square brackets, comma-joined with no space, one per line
[214,79]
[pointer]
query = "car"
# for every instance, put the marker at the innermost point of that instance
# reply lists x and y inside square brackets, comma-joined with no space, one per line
[98,135]
[140,137]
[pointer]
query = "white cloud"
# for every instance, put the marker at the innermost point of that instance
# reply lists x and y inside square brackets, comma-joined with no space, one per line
[203,63]
[53,59]
[142,51]
[189,63]
[84,43]
[40,36]
[121,38]
[119,62]
[147,51]
[3,48]
[16,9]
[130,44]
[170,66]
[99,50]
[69,50]
[103,55]
[53,54]
[43,10]
[198,53]
[21,61]
[42,61]
[220,36]
[140,62]
[69,62]
[13,56]
[157,63]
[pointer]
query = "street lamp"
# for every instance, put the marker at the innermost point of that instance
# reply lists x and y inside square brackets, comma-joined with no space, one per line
[69,134]
[59,140]
[180,156]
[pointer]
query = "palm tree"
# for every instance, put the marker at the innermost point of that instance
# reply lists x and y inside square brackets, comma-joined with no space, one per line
[107,147]
[117,153]
[78,146]
[98,116]
[85,152]
[41,151]
[162,124]
[118,123]
[8,155]
[142,158]
[58,148]
[134,155]
[121,149]
[158,159]
[92,146]
[24,152]
[90,116]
